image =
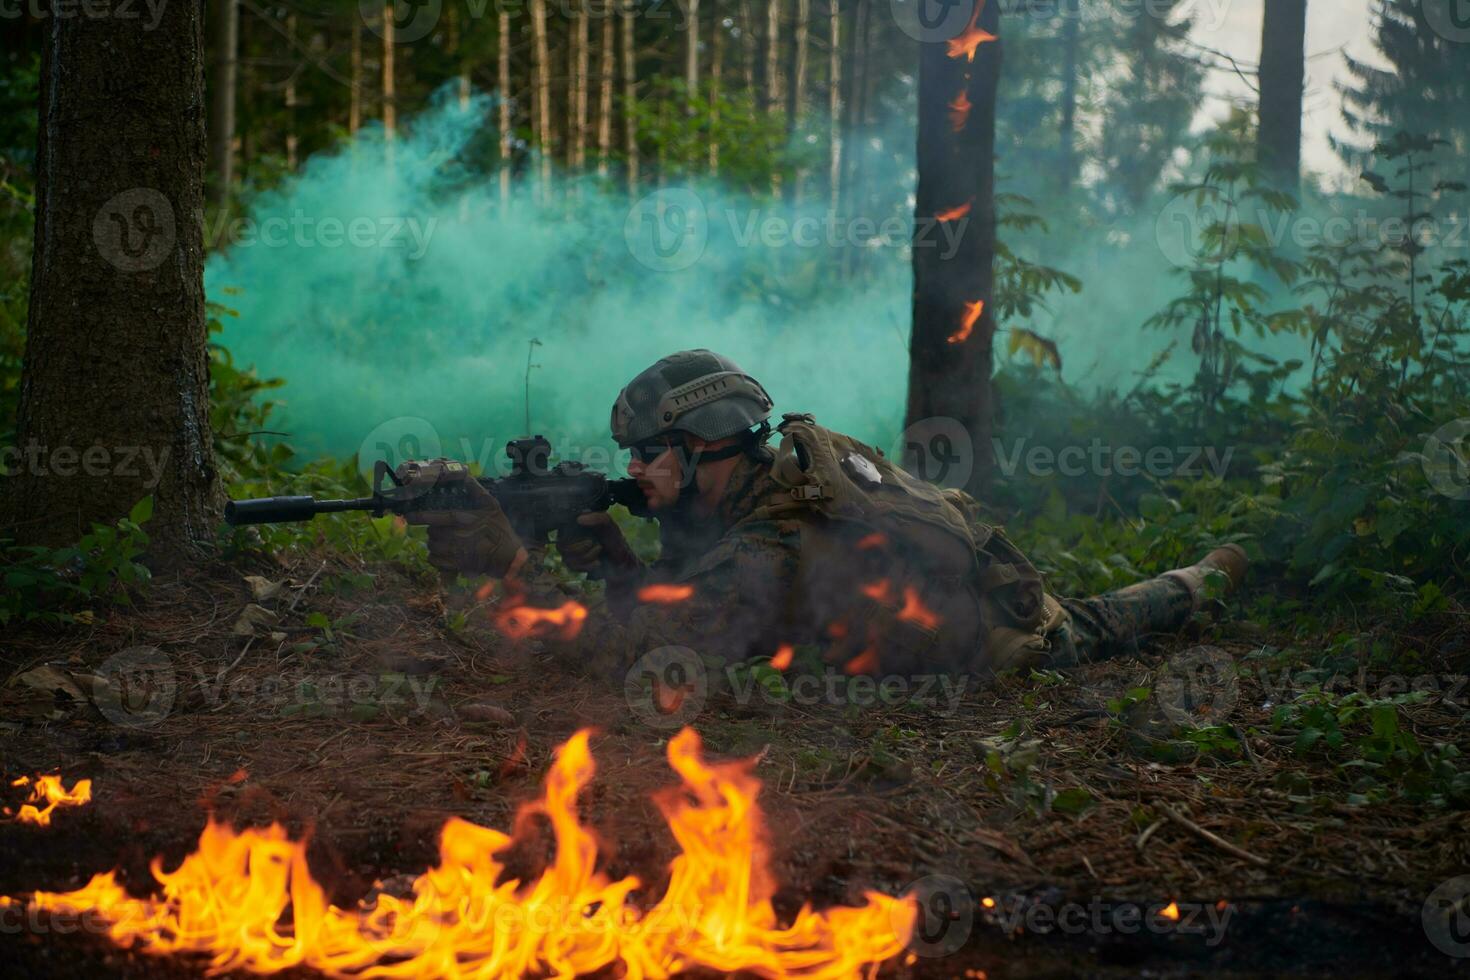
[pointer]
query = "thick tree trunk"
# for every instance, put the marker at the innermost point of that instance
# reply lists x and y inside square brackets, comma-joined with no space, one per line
[716,83]
[289,100]
[773,56]
[630,98]
[390,85]
[796,86]
[114,399]
[691,48]
[577,89]
[226,24]
[950,362]
[1283,74]
[605,94]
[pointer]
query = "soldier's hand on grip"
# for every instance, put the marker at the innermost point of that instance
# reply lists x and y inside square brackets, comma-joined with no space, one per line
[472,542]
[595,546]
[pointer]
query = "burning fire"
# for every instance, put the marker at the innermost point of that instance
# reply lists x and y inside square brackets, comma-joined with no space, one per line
[565,621]
[248,899]
[665,594]
[955,213]
[959,111]
[49,790]
[782,658]
[877,591]
[969,40]
[968,321]
[914,611]
[864,663]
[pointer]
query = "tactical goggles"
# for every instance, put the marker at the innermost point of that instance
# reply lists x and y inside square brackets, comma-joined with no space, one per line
[647,452]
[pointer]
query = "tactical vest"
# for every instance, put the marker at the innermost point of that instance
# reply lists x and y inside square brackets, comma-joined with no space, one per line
[904,575]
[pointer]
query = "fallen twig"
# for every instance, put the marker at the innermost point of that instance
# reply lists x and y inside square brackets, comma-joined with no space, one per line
[1212,837]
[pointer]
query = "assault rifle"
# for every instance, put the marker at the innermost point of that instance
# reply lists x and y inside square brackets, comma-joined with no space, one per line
[537,497]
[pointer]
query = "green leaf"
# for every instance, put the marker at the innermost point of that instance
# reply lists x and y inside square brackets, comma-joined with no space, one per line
[1072,801]
[142,510]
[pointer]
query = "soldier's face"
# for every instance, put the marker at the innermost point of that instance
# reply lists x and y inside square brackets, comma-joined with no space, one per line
[658,478]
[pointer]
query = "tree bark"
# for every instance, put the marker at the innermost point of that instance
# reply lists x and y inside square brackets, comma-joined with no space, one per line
[691,48]
[502,79]
[1283,74]
[796,87]
[949,366]
[577,90]
[289,100]
[1067,131]
[541,117]
[354,96]
[390,93]
[605,94]
[773,56]
[834,103]
[630,97]
[716,83]
[226,14]
[114,397]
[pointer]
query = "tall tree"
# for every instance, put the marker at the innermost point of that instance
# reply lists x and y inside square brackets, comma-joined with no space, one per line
[541,87]
[605,94]
[630,96]
[834,103]
[950,347]
[114,401]
[226,22]
[1283,75]
[502,81]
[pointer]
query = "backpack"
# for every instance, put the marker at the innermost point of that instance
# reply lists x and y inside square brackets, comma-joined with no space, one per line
[943,565]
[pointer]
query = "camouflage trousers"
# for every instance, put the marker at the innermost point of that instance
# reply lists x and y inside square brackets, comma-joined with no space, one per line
[1117,623]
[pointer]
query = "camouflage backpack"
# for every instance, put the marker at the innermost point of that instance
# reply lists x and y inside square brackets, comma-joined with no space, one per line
[950,590]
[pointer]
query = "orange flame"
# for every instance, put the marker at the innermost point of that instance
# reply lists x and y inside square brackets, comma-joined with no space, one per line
[914,611]
[565,621]
[49,790]
[782,658]
[955,213]
[877,591]
[959,112]
[665,594]
[864,663]
[248,899]
[968,321]
[1170,911]
[970,39]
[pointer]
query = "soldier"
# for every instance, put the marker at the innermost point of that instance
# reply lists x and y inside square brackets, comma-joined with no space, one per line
[823,541]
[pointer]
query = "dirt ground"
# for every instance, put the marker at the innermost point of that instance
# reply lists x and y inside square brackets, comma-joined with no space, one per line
[364,711]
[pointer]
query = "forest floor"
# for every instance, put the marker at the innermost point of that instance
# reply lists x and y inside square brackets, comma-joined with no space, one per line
[1044,803]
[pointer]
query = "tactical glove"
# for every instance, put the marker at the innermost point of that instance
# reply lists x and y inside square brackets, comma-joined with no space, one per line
[472,542]
[596,546]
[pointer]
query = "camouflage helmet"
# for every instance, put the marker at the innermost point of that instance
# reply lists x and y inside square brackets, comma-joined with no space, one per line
[694,391]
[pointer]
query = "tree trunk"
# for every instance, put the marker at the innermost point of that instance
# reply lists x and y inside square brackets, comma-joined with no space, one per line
[1283,74]
[354,96]
[1067,131]
[577,88]
[750,53]
[226,14]
[630,98]
[773,56]
[289,98]
[114,397]
[796,89]
[541,117]
[390,94]
[605,94]
[834,103]
[691,48]
[950,349]
[502,79]
[716,81]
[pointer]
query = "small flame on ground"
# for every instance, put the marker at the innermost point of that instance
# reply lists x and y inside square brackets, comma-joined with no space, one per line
[1170,911]
[968,321]
[522,622]
[51,791]
[665,593]
[877,591]
[914,610]
[864,663]
[249,901]
[954,213]
[959,112]
[783,655]
[969,40]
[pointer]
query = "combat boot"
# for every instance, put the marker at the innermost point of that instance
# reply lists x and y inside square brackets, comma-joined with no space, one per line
[1230,562]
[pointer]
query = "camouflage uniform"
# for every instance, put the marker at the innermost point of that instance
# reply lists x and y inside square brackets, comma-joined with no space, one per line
[752,593]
